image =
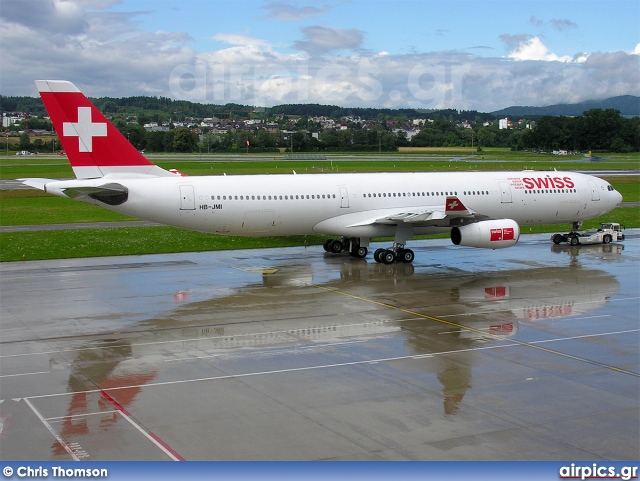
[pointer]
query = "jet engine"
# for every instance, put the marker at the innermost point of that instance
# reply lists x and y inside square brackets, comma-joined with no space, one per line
[488,234]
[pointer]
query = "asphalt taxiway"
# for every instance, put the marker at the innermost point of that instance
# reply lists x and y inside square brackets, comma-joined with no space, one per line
[530,352]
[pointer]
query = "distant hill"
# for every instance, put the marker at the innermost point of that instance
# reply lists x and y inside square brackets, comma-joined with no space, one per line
[628,105]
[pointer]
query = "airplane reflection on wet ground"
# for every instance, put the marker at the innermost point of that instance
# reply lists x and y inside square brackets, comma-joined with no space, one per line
[526,353]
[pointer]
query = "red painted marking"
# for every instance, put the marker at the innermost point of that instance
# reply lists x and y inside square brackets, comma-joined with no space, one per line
[117,405]
[506,328]
[495,292]
[508,233]
[453,204]
[114,403]
[166,446]
[496,235]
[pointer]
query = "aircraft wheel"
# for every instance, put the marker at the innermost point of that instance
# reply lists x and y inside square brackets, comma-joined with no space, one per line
[573,241]
[377,255]
[360,252]
[409,270]
[557,239]
[327,245]
[336,246]
[407,256]
[388,257]
[606,239]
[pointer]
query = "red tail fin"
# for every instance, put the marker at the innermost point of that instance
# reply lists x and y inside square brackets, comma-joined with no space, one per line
[93,145]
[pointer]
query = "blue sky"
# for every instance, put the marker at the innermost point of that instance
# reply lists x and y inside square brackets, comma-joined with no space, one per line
[405,26]
[482,55]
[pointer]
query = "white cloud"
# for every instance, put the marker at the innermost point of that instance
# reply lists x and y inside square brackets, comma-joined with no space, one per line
[636,51]
[534,49]
[238,39]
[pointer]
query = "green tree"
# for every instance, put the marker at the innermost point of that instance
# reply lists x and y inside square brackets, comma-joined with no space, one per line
[136,135]
[184,140]
[155,141]
[25,142]
[486,138]
[38,145]
[600,128]
[618,145]
[360,141]
[299,142]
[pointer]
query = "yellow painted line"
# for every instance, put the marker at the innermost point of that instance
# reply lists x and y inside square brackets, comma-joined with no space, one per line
[479,331]
[257,270]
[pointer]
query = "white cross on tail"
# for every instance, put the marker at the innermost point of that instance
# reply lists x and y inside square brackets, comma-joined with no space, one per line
[84,129]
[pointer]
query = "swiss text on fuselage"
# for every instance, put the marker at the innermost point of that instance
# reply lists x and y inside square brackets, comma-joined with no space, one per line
[548,182]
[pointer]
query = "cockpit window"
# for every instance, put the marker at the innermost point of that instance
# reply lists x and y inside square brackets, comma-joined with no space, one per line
[610,188]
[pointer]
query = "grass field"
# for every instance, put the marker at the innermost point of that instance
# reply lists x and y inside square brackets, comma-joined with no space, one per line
[30,207]
[194,164]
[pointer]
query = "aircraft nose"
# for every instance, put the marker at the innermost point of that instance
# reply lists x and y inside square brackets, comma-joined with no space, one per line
[618,198]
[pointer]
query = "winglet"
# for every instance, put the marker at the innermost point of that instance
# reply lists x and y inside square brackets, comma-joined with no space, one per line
[455,208]
[94,146]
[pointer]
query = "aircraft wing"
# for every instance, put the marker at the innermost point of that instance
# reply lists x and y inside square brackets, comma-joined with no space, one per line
[453,209]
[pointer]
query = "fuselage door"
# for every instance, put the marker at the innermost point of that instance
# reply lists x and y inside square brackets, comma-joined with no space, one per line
[344,197]
[595,193]
[505,192]
[187,198]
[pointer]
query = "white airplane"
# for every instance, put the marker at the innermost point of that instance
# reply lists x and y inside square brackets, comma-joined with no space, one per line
[479,209]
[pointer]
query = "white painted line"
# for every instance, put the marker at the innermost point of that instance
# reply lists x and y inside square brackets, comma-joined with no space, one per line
[586,317]
[62,442]
[192,358]
[25,374]
[74,416]
[149,437]
[584,336]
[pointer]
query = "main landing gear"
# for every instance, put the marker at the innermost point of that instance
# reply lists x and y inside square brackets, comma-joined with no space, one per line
[351,244]
[358,248]
[396,254]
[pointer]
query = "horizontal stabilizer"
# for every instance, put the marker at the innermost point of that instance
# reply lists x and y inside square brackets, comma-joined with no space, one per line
[36,183]
[111,194]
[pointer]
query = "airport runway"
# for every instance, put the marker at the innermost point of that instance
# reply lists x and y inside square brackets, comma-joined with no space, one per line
[527,353]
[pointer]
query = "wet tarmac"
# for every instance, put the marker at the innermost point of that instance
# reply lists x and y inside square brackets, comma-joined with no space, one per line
[527,353]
